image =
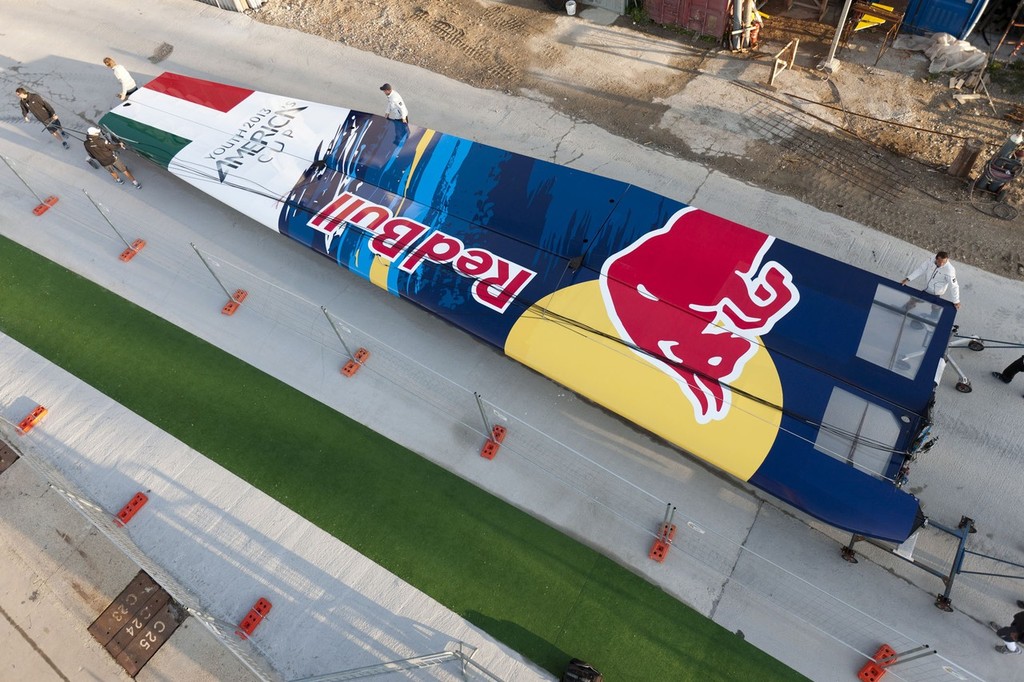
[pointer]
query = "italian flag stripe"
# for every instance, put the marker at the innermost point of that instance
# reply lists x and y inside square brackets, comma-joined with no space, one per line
[207,94]
[154,143]
[168,112]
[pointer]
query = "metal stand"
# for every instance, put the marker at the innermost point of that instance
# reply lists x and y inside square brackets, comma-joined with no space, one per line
[905,551]
[963,384]
[973,343]
[495,432]
[44,204]
[859,11]
[355,360]
[132,247]
[235,299]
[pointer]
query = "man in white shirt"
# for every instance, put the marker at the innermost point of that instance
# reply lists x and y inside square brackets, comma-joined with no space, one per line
[128,85]
[396,110]
[941,277]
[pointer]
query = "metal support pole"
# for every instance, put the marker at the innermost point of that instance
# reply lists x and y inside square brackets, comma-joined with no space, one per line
[120,236]
[905,657]
[230,296]
[488,429]
[337,332]
[17,175]
[848,553]
[830,64]
[748,7]
[737,26]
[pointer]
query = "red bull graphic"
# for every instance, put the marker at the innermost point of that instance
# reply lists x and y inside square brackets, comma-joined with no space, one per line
[705,344]
[794,372]
[496,281]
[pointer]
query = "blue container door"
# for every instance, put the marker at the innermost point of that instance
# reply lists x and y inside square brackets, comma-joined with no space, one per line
[956,17]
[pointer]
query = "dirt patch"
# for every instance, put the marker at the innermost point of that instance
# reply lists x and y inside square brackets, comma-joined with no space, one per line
[868,143]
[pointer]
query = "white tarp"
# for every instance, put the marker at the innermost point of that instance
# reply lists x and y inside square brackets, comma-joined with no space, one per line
[945,52]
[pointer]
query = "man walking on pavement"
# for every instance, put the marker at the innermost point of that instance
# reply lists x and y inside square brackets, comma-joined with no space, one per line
[105,152]
[1006,376]
[41,109]
[128,85]
[396,112]
[1011,634]
[941,277]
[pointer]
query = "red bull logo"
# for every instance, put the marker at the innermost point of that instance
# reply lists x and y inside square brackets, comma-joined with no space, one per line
[497,281]
[697,293]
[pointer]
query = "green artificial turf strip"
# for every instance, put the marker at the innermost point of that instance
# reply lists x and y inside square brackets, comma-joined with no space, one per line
[545,595]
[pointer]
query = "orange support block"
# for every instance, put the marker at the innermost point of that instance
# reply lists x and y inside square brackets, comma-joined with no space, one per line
[659,550]
[491,447]
[45,206]
[130,252]
[33,418]
[130,509]
[874,670]
[231,306]
[252,619]
[885,656]
[353,365]
[871,672]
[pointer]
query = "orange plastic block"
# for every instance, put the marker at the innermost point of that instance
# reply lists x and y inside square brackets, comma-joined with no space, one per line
[885,656]
[131,509]
[871,672]
[658,550]
[353,365]
[231,306]
[491,447]
[875,669]
[252,619]
[262,606]
[130,252]
[33,418]
[45,206]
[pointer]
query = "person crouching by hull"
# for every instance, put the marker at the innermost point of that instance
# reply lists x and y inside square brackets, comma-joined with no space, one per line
[105,153]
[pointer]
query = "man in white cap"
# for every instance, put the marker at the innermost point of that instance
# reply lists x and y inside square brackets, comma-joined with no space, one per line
[105,153]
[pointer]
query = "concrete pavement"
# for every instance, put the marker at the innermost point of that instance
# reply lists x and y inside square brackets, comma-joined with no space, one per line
[746,563]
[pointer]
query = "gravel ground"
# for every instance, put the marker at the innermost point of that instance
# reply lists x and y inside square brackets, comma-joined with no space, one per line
[868,143]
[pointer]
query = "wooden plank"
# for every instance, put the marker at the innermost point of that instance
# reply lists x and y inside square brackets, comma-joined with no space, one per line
[152,637]
[126,605]
[137,622]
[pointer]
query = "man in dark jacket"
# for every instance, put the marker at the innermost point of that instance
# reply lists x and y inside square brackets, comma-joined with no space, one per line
[41,109]
[105,153]
[1011,634]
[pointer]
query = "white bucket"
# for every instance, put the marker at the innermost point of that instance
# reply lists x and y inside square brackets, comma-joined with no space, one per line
[570,7]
